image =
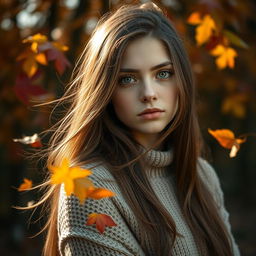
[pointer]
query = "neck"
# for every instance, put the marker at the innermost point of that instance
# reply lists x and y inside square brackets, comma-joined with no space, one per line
[148,141]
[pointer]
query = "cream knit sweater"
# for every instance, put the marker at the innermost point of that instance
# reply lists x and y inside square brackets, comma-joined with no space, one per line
[75,238]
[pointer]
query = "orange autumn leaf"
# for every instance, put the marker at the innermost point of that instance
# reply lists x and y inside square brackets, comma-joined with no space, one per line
[205,29]
[67,175]
[227,139]
[27,184]
[194,18]
[226,56]
[82,188]
[98,193]
[101,220]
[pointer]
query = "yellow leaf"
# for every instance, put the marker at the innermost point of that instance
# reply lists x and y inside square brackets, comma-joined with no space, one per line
[30,66]
[225,55]
[60,47]
[41,58]
[67,175]
[39,38]
[205,29]
[194,18]
[235,104]
[82,186]
[27,184]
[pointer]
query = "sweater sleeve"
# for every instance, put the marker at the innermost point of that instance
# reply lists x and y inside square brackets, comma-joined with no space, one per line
[210,177]
[76,238]
[79,246]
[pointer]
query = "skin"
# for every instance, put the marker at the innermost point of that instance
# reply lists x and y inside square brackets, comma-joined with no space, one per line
[147,87]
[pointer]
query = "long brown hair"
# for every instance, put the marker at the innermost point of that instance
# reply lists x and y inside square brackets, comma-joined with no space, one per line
[90,132]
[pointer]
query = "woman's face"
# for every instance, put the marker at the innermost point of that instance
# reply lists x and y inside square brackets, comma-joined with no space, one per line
[146,81]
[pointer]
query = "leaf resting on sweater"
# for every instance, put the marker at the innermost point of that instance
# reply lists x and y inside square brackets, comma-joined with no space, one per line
[101,220]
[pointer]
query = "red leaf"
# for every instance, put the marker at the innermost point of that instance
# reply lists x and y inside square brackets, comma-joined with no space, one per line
[56,55]
[101,220]
[25,89]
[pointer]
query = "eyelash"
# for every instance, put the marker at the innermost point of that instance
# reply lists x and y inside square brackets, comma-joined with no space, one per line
[133,77]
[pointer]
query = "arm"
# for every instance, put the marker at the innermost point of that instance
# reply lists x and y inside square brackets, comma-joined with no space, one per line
[213,182]
[78,246]
[76,238]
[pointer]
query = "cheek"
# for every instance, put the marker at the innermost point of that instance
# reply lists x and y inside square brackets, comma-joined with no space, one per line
[172,98]
[122,103]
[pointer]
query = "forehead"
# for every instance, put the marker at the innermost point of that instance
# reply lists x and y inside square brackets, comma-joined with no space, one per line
[144,52]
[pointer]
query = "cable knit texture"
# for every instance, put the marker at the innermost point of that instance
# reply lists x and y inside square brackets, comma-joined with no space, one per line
[75,238]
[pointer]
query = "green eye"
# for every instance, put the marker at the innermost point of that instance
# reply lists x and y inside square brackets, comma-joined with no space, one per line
[126,80]
[164,74]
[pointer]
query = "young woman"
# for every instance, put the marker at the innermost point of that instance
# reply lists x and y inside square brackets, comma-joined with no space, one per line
[132,121]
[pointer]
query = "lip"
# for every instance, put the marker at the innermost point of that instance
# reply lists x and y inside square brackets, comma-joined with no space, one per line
[151,115]
[150,111]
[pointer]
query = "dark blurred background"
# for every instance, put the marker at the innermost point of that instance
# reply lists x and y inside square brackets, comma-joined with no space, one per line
[226,99]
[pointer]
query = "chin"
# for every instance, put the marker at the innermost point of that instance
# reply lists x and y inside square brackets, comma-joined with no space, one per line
[152,131]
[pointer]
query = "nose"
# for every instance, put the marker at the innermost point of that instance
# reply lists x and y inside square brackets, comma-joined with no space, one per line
[148,92]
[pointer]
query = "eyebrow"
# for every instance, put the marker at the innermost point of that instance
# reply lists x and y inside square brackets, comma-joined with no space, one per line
[131,70]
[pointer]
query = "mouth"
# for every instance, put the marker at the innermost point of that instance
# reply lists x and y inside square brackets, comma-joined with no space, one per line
[151,115]
[151,111]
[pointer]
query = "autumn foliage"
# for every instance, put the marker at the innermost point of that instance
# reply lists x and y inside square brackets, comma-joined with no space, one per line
[37,60]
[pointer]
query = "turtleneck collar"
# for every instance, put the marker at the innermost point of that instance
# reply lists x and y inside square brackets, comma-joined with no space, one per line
[157,161]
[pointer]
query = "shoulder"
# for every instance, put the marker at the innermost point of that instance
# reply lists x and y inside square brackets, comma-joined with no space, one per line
[210,178]
[72,215]
[207,172]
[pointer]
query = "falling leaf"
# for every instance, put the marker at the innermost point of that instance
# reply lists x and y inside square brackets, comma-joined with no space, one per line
[101,220]
[194,18]
[235,104]
[81,188]
[205,29]
[227,139]
[98,193]
[225,55]
[67,175]
[84,188]
[33,140]
[27,184]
